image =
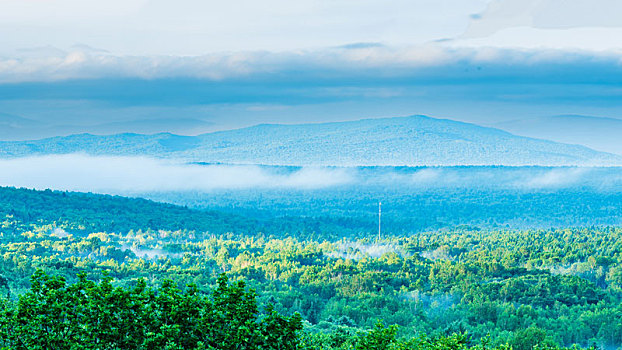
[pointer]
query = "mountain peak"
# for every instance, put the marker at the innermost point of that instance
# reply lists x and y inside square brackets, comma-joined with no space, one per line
[412,140]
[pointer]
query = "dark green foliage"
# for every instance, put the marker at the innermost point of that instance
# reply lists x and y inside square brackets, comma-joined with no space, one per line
[379,338]
[527,339]
[89,315]
[80,212]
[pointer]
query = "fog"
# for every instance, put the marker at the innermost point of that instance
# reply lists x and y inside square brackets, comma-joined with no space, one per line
[507,178]
[135,175]
[77,172]
[357,250]
[148,253]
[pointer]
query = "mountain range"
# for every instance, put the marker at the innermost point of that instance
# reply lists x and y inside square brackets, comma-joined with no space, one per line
[400,141]
[14,127]
[599,133]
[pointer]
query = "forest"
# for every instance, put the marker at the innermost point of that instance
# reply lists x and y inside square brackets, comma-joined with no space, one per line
[159,283]
[417,199]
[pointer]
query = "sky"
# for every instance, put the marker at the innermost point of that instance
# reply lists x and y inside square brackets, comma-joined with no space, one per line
[198,27]
[193,66]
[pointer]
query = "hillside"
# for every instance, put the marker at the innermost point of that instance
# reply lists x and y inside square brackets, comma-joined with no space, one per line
[77,212]
[598,133]
[415,140]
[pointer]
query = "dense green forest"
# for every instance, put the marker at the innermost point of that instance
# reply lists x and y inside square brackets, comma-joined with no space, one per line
[160,284]
[417,199]
[87,212]
[352,211]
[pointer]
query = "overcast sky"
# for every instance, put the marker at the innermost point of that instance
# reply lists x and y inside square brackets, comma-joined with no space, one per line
[102,66]
[198,27]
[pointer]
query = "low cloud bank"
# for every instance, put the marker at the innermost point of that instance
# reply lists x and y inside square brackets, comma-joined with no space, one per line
[509,178]
[135,175]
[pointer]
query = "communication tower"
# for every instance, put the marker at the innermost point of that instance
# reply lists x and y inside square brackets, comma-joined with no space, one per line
[379,219]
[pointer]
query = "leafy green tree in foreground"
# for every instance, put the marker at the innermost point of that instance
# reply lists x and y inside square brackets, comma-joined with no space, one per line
[89,315]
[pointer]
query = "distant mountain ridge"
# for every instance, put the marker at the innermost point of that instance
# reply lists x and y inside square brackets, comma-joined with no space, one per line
[414,140]
[17,128]
[599,133]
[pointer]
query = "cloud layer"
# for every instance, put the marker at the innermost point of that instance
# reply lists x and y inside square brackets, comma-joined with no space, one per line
[431,62]
[192,38]
[132,175]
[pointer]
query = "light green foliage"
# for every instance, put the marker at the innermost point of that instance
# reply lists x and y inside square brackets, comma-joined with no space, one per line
[522,288]
[499,283]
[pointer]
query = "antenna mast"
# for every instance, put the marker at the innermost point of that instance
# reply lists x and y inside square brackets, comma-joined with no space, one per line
[379,218]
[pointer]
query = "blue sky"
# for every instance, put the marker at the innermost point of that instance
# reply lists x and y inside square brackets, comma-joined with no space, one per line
[193,66]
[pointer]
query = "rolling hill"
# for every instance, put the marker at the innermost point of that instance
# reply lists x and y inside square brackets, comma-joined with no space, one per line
[603,134]
[415,140]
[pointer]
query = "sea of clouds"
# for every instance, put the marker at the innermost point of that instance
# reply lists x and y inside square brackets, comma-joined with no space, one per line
[124,175]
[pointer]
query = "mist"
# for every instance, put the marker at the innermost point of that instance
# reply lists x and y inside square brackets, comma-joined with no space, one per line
[136,175]
[357,250]
[528,178]
[77,172]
